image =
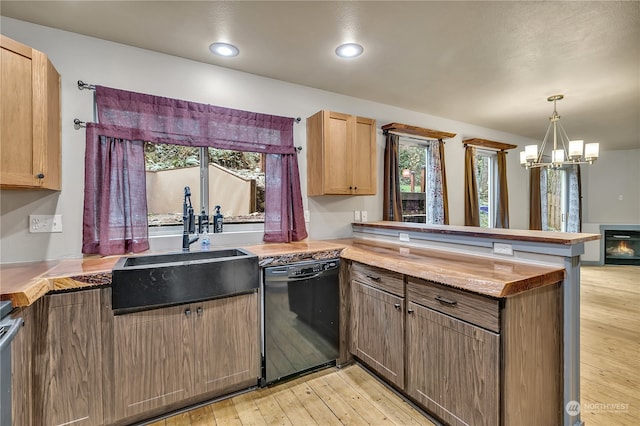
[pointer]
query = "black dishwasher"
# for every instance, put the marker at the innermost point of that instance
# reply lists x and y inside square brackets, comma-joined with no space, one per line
[301,318]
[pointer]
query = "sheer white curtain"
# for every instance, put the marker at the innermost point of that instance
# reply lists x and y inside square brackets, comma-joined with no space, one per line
[436,186]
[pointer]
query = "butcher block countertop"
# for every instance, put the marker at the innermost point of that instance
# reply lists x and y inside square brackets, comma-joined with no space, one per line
[24,283]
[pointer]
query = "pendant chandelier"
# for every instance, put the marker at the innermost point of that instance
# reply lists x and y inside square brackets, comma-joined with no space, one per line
[565,152]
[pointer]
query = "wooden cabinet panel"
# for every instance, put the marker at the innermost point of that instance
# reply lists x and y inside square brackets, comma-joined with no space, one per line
[67,360]
[341,154]
[152,359]
[377,330]
[226,341]
[453,368]
[363,156]
[474,308]
[22,394]
[29,118]
[382,279]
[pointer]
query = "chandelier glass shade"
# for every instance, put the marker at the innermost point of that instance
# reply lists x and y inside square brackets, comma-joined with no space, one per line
[565,152]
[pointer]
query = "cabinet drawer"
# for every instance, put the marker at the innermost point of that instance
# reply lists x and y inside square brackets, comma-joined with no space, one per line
[378,278]
[475,309]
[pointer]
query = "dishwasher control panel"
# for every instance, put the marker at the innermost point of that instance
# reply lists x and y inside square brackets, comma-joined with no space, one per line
[314,268]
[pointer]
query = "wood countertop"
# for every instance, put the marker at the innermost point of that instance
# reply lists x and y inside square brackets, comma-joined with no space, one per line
[24,283]
[478,274]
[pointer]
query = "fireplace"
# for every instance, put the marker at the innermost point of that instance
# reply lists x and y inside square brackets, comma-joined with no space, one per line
[621,245]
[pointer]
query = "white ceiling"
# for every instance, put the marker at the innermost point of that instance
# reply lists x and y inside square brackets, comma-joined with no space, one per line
[492,64]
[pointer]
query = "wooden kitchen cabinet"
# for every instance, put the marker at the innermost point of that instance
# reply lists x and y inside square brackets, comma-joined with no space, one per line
[29,118]
[150,354]
[67,360]
[453,367]
[341,154]
[164,357]
[226,343]
[377,322]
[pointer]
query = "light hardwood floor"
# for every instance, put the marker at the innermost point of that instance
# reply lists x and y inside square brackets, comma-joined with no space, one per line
[610,374]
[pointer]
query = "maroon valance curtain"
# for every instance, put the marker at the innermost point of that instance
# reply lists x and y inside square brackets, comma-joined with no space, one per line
[129,118]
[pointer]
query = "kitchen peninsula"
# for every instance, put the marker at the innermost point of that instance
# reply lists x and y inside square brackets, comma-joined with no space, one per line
[456,277]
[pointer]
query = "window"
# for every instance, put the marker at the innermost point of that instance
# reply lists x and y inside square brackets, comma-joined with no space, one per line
[412,160]
[233,180]
[486,172]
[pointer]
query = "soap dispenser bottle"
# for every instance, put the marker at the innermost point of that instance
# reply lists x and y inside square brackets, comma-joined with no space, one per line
[217,221]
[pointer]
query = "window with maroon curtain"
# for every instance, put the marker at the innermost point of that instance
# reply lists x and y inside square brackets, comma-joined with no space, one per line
[133,117]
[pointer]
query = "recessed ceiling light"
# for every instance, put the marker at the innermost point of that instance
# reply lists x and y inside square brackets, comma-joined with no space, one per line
[349,50]
[224,49]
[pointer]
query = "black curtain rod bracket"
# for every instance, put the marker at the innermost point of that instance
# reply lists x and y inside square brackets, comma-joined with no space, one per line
[82,85]
[78,124]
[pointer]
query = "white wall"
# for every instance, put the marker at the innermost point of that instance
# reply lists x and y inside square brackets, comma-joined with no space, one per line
[100,62]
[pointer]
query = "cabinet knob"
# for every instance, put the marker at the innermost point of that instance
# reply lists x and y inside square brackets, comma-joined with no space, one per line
[397,306]
[410,311]
[187,312]
[355,188]
[199,311]
[40,175]
[351,187]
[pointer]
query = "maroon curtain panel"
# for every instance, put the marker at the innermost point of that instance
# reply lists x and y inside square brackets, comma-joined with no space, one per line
[471,209]
[535,202]
[128,118]
[115,202]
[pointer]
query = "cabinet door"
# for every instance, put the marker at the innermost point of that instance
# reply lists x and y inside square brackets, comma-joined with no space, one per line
[377,330]
[227,355]
[152,359]
[68,362]
[20,164]
[29,118]
[363,157]
[338,132]
[453,367]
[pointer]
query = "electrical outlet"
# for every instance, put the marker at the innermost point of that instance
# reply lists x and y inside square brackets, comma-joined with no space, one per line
[363,215]
[45,223]
[404,237]
[356,216]
[306,216]
[500,248]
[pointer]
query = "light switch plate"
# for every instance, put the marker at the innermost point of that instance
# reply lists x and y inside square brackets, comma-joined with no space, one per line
[356,216]
[363,215]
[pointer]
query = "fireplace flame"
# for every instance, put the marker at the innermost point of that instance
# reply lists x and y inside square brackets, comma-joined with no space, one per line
[622,249]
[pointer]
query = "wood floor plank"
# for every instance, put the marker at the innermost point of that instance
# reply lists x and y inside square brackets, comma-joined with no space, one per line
[182,419]
[248,411]
[202,416]
[394,407]
[225,413]
[314,405]
[340,408]
[270,409]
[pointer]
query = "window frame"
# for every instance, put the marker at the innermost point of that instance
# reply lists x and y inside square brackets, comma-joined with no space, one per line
[492,186]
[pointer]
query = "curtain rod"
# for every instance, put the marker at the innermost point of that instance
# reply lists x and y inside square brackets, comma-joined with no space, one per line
[409,136]
[82,86]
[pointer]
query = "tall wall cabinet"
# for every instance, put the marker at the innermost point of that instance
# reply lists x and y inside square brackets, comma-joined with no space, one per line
[341,154]
[29,118]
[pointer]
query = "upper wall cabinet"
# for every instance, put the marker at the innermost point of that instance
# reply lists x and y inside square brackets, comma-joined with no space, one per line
[29,118]
[341,154]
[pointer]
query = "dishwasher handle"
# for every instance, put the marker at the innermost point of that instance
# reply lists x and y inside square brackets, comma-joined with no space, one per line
[290,279]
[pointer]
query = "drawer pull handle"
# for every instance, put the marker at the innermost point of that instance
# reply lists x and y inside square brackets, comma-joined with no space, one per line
[397,306]
[187,313]
[373,277]
[410,311]
[446,301]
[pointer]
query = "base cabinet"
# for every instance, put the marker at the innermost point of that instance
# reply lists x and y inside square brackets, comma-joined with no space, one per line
[164,356]
[377,321]
[467,359]
[453,367]
[67,360]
